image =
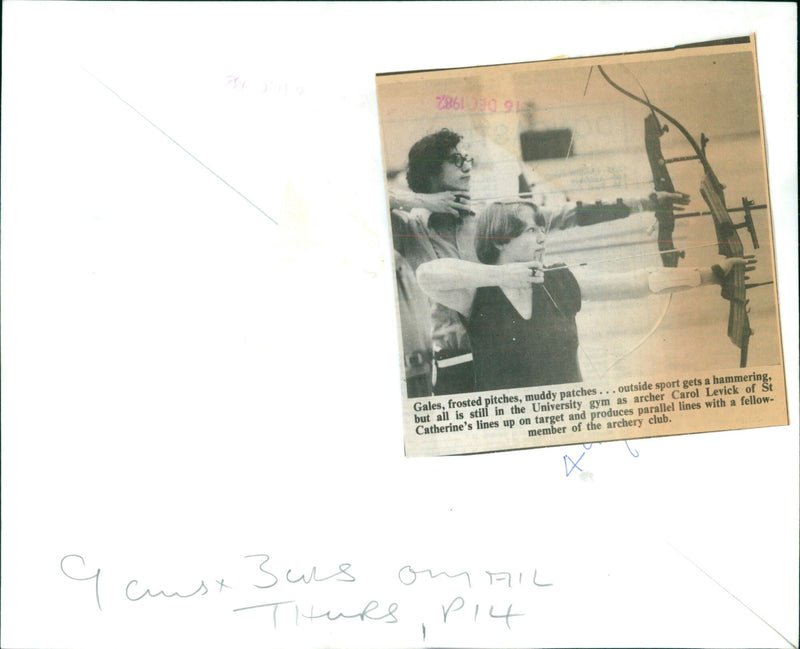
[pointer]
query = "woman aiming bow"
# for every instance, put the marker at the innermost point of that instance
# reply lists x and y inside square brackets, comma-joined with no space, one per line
[520,316]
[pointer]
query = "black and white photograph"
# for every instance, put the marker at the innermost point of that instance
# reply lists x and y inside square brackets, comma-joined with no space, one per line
[581,222]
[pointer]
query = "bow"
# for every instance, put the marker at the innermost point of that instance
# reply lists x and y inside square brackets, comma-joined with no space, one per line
[729,244]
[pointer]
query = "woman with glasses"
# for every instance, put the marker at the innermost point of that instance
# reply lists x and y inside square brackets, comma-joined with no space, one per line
[519,314]
[435,220]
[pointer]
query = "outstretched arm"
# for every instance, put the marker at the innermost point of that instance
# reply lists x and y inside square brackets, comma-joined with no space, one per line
[639,283]
[452,282]
[568,215]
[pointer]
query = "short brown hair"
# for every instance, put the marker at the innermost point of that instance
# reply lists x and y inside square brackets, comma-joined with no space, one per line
[499,223]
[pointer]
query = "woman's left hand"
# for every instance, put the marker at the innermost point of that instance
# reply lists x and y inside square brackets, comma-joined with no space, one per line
[674,199]
[729,263]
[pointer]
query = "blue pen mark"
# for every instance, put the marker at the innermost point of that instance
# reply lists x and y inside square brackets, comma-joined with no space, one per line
[574,464]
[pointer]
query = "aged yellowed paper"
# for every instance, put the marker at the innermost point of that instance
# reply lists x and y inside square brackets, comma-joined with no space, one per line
[583,250]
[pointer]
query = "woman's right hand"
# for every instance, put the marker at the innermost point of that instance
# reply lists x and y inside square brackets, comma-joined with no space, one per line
[448,202]
[521,274]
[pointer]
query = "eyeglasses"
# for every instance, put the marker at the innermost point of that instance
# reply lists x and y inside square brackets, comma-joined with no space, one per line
[459,160]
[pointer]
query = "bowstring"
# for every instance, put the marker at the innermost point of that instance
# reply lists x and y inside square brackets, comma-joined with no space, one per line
[668,297]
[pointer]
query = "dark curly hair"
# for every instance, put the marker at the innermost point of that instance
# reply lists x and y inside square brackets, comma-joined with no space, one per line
[426,157]
[500,223]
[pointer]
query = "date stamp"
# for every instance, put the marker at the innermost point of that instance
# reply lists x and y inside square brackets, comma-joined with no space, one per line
[477,104]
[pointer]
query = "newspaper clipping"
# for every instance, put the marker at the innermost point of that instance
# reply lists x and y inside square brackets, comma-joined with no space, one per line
[582,250]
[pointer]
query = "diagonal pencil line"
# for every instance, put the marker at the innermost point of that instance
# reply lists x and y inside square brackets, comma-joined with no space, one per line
[176,143]
[790,643]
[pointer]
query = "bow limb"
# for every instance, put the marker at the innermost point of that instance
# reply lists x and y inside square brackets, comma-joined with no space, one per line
[665,216]
[699,150]
[729,244]
[734,288]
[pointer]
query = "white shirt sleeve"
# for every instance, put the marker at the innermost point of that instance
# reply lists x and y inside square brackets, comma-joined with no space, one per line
[672,279]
